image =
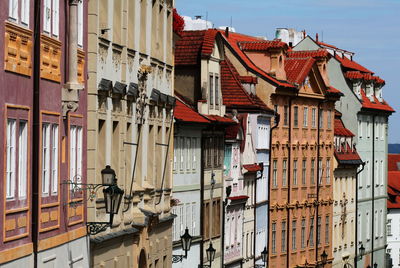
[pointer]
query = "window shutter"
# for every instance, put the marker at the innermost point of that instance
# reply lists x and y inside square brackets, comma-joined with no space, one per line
[25,12]
[55,18]
[80,24]
[13,9]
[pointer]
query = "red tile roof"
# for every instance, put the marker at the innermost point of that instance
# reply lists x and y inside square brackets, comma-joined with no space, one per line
[320,53]
[353,75]
[333,90]
[393,189]
[185,113]
[349,64]
[325,44]
[233,93]
[233,40]
[347,154]
[253,167]
[239,197]
[231,132]
[193,45]
[341,130]
[248,79]
[262,45]
[297,69]
[375,104]
[393,159]
[220,119]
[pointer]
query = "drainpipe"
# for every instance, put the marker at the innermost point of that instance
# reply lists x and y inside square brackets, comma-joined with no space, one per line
[36,131]
[356,223]
[201,202]
[255,216]
[289,178]
[276,119]
[373,191]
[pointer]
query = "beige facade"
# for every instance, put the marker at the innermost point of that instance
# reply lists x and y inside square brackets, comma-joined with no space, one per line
[129,124]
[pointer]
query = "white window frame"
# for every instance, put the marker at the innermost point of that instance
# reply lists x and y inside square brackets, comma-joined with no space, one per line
[51,17]
[13,9]
[23,159]
[303,233]
[46,156]
[11,158]
[80,24]
[284,172]
[294,235]
[194,159]
[304,172]
[314,117]
[275,173]
[76,153]
[176,152]
[273,238]
[54,158]
[295,172]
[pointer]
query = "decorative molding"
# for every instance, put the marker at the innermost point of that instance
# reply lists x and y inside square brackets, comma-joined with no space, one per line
[81,66]
[50,58]
[18,49]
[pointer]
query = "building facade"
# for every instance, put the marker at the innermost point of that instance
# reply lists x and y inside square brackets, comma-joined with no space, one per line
[363,98]
[346,164]
[43,108]
[186,191]
[130,128]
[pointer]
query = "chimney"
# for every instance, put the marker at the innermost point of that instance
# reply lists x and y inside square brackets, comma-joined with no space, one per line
[304,33]
[316,37]
[227,32]
[198,17]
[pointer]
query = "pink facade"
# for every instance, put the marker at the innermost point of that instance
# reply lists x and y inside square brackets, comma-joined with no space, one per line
[36,135]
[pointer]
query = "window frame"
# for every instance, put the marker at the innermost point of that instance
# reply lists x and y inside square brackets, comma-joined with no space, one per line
[51,18]
[296,116]
[305,117]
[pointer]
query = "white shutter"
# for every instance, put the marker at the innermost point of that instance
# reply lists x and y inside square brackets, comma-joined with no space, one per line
[25,12]
[45,158]
[72,154]
[80,23]
[55,17]
[10,158]
[46,15]
[54,159]
[22,159]
[79,154]
[13,9]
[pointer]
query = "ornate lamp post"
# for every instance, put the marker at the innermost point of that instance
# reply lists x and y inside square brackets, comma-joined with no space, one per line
[264,258]
[324,258]
[186,240]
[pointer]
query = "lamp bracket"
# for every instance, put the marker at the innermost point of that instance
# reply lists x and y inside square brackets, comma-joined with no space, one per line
[177,258]
[94,228]
[77,187]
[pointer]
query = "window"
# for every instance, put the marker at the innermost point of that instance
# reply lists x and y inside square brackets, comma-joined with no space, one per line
[329,119]
[273,238]
[296,116]
[305,117]
[327,230]
[75,153]
[11,158]
[328,171]
[313,117]
[213,91]
[312,171]
[188,154]
[295,172]
[294,222]
[303,233]
[320,171]
[303,172]
[51,17]
[311,232]
[319,231]
[176,152]
[213,151]
[368,129]
[283,237]
[286,115]
[50,158]
[80,23]
[274,174]
[19,16]
[194,159]
[216,90]
[284,172]
[22,159]
[360,129]
[389,227]
[321,118]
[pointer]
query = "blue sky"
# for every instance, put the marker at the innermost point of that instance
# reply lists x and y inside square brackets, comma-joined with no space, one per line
[370,28]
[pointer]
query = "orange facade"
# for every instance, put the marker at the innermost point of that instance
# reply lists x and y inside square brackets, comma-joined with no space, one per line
[301,194]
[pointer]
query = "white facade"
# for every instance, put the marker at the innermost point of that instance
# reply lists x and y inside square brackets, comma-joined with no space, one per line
[393,235]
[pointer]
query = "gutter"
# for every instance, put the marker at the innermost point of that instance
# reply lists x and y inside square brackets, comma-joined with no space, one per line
[36,131]
[356,212]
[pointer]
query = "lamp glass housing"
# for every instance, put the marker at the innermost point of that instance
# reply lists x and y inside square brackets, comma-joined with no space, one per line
[362,250]
[324,257]
[186,240]
[210,253]
[113,197]
[264,255]
[375,265]
[108,176]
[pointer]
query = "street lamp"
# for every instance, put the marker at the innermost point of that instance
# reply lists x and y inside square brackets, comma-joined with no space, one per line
[264,258]
[375,265]
[324,258]
[186,240]
[210,256]
[361,251]
[108,176]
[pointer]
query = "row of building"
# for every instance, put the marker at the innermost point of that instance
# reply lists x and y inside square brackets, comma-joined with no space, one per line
[122,130]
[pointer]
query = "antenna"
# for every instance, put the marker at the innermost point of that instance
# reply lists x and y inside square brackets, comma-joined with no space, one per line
[231,22]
